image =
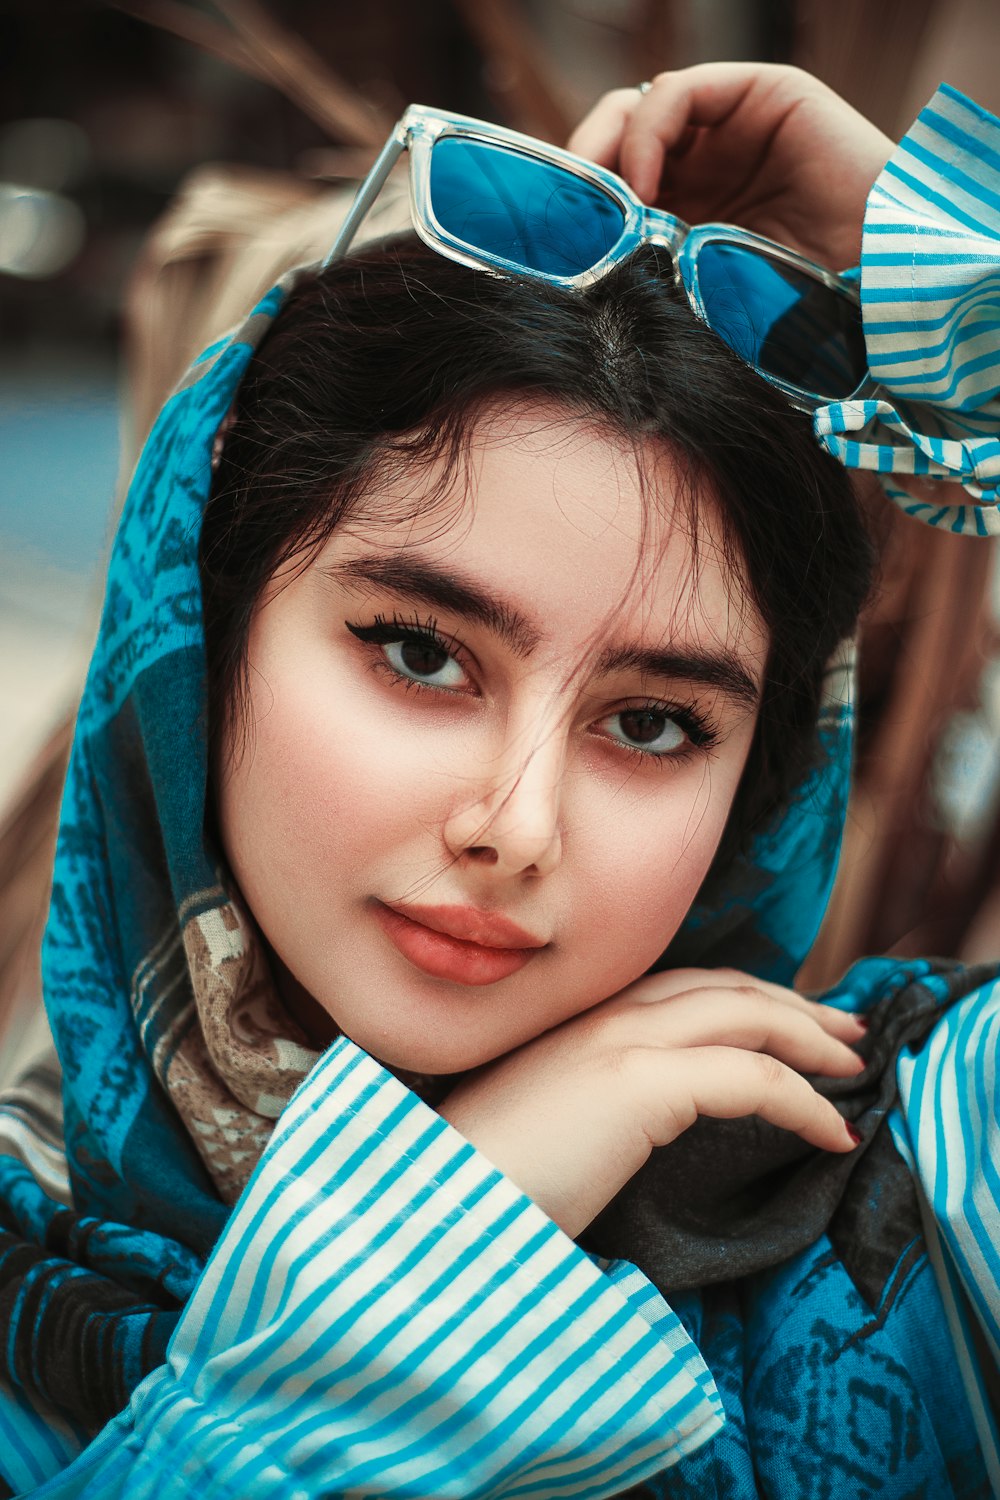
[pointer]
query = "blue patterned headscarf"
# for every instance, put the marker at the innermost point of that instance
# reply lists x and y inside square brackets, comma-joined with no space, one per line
[133,870]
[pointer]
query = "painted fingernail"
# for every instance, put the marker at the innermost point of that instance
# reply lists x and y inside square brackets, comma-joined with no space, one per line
[862,1022]
[855,1135]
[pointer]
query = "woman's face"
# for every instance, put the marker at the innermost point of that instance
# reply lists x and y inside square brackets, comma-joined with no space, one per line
[419,743]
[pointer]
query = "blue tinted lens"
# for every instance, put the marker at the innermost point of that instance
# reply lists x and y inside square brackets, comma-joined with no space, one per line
[531,213]
[781,320]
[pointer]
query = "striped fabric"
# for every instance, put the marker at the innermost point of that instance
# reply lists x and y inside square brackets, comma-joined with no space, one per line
[948,1130]
[35,1442]
[467,1346]
[31,1125]
[958,1311]
[949,1095]
[930,295]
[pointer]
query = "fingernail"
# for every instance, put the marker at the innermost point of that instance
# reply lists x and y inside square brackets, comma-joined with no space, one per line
[854,1134]
[862,1021]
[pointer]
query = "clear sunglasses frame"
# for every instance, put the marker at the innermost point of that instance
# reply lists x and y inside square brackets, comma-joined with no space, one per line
[420,127]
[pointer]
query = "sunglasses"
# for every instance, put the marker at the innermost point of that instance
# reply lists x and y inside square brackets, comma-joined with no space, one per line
[503,202]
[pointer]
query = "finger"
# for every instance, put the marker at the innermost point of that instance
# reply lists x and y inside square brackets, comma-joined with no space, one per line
[840,1023]
[702,96]
[727,1084]
[682,147]
[847,1024]
[598,135]
[675,982]
[751,1020]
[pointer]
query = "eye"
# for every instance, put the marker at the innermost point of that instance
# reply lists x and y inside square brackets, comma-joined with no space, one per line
[661,731]
[424,659]
[413,654]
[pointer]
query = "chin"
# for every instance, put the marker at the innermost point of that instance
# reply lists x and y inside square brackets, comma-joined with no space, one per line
[422,1056]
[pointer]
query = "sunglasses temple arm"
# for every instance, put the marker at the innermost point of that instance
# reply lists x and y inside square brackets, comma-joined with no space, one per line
[366,195]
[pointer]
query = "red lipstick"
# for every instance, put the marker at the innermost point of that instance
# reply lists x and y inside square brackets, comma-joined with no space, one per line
[458,942]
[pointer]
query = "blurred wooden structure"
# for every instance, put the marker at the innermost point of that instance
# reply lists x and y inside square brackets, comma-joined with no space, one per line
[905,883]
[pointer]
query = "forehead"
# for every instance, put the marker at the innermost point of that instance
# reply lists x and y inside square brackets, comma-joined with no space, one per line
[571,524]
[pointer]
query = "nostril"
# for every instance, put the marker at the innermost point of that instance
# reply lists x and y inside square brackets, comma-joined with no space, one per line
[484,853]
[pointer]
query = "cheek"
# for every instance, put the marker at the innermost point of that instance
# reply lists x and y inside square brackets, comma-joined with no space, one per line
[648,856]
[329,776]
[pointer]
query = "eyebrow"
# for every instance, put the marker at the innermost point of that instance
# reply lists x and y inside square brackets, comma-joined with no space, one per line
[411,578]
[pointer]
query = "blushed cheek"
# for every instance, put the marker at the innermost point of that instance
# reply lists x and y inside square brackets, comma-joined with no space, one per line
[655,897]
[335,782]
[662,858]
[313,781]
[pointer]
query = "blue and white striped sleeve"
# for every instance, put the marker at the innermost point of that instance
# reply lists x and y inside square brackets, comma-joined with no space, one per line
[930,298]
[950,1100]
[947,1128]
[388,1314]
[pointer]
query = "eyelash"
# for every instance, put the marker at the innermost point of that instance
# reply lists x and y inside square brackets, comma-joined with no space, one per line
[701,733]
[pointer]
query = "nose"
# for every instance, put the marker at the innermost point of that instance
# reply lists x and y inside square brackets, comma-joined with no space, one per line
[513,821]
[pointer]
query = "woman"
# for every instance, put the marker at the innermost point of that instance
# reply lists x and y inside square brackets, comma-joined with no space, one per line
[518,607]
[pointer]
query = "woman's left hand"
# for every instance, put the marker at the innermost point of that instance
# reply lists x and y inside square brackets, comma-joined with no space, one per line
[761,145]
[573,1114]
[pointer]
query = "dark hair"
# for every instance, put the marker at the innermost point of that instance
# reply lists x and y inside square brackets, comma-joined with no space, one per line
[393,352]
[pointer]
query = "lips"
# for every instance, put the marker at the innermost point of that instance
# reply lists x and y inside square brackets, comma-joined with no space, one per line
[458,959]
[487,929]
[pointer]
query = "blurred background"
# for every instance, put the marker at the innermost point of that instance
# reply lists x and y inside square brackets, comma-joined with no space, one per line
[106,111]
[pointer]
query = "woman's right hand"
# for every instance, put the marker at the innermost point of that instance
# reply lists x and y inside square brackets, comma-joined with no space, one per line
[762,145]
[571,1116]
